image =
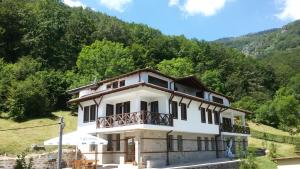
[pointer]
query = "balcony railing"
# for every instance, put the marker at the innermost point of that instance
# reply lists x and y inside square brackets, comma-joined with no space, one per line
[234,129]
[142,117]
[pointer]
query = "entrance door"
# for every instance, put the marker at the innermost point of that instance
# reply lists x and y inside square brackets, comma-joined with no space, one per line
[130,149]
[109,113]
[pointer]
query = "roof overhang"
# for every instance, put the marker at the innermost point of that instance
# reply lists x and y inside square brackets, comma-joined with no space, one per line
[175,93]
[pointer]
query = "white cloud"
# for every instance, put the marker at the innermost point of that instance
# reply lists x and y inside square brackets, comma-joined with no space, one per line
[117,5]
[195,7]
[74,3]
[290,10]
[173,2]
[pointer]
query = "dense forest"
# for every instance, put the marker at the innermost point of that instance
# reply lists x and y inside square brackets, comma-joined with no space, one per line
[47,47]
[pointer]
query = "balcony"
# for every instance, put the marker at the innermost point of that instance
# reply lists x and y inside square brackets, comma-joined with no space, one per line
[142,117]
[234,129]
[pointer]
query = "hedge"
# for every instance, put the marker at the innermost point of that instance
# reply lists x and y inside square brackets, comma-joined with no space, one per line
[276,138]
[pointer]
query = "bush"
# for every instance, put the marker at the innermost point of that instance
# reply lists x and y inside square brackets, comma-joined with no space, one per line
[273,137]
[248,162]
[21,162]
[272,150]
[28,99]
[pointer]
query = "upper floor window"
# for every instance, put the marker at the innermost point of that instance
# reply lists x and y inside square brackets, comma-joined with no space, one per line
[174,109]
[157,81]
[89,113]
[217,100]
[183,111]
[200,94]
[203,115]
[209,118]
[108,86]
[217,117]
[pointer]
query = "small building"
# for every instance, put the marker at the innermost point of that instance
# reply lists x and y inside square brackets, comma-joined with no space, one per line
[288,162]
[152,120]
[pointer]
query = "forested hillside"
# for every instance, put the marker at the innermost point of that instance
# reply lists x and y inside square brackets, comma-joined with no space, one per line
[47,48]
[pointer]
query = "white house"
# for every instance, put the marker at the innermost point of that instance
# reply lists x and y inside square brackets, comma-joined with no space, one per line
[153,120]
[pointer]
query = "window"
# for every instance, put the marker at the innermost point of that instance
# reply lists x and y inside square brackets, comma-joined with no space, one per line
[118,142]
[157,81]
[93,147]
[144,106]
[174,109]
[199,144]
[109,143]
[119,108]
[92,113]
[206,144]
[200,94]
[115,85]
[122,83]
[213,144]
[183,111]
[179,143]
[209,114]
[126,107]
[203,115]
[217,117]
[217,99]
[170,143]
[86,114]
[108,86]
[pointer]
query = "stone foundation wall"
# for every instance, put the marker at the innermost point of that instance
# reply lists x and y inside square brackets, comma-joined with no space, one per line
[220,165]
[40,161]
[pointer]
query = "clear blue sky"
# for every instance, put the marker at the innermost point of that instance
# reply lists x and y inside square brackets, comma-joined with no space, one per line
[201,19]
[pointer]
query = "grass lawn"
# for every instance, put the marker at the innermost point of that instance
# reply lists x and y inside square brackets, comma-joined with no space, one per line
[16,141]
[283,150]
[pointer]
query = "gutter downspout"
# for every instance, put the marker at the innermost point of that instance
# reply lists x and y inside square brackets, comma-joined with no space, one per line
[167,138]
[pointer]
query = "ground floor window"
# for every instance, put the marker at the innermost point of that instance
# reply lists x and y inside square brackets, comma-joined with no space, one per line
[199,144]
[93,147]
[118,142]
[213,144]
[109,142]
[206,143]
[179,143]
[170,143]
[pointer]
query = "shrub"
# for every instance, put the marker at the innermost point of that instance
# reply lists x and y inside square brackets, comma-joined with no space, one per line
[248,162]
[272,150]
[28,99]
[273,137]
[21,162]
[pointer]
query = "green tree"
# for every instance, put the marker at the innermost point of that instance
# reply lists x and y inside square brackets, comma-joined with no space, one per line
[177,67]
[104,59]
[211,78]
[28,99]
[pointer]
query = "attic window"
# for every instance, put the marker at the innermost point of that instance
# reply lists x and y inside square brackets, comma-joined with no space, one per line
[115,85]
[200,94]
[122,83]
[157,81]
[217,100]
[108,86]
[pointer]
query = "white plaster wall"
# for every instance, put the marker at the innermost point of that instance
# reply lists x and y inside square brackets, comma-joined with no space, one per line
[193,123]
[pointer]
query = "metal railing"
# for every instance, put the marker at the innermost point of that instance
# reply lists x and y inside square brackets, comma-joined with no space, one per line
[142,117]
[234,128]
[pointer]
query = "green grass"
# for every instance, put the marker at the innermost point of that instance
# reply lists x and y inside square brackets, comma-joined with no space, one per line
[15,141]
[268,129]
[283,149]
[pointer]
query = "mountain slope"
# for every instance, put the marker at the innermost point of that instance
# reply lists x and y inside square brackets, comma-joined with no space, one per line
[264,43]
